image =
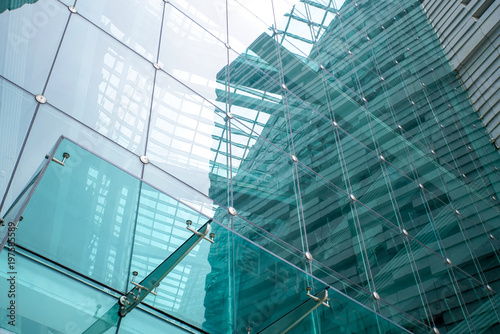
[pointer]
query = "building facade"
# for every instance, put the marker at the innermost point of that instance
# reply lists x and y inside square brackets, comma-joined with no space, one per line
[468,31]
[350,184]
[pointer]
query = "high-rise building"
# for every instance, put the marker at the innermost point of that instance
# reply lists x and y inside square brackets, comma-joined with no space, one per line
[468,31]
[233,166]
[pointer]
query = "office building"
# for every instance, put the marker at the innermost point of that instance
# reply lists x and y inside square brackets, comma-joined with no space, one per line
[328,145]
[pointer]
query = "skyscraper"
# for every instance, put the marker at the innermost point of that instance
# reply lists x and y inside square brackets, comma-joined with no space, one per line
[468,31]
[328,145]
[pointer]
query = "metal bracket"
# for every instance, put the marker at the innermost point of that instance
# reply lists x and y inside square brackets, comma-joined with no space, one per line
[292,318]
[65,156]
[211,235]
[140,287]
[323,301]
[149,284]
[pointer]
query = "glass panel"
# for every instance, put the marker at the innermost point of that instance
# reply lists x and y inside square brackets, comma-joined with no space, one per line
[265,188]
[369,179]
[452,237]
[180,56]
[342,317]
[252,287]
[403,319]
[247,21]
[257,101]
[13,215]
[394,148]
[46,301]
[209,15]
[49,125]
[160,230]
[317,142]
[16,112]
[136,24]
[188,139]
[441,291]
[82,216]
[482,305]
[487,253]
[31,35]
[118,85]
[267,241]
[332,230]
[392,266]
[182,192]
[141,322]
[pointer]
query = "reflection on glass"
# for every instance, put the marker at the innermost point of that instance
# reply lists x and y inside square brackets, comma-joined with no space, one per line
[82,216]
[13,127]
[48,301]
[30,37]
[333,146]
[119,85]
[136,24]
[141,322]
[187,139]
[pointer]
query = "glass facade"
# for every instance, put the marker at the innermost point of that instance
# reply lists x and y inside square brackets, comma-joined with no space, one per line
[327,144]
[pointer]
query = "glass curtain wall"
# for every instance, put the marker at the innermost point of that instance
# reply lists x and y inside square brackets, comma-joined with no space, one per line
[330,142]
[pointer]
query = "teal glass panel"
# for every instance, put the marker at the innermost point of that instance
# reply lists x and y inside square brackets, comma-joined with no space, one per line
[441,291]
[482,305]
[31,35]
[368,179]
[479,211]
[16,112]
[179,190]
[317,142]
[82,216]
[433,172]
[257,100]
[342,284]
[265,190]
[487,253]
[49,125]
[391,265]
[136,25]
[141,322]
[333,234]
[159,231]
[118,85]
[353,118]
[453,237]
[394,148]
[405,320]
[45,300]
[264,54]
[414,210]
[244,286]
[188,139]
[267,241]
[343,317]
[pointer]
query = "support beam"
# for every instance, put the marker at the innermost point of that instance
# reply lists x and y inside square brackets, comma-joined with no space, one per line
[140,290]
[292,318]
